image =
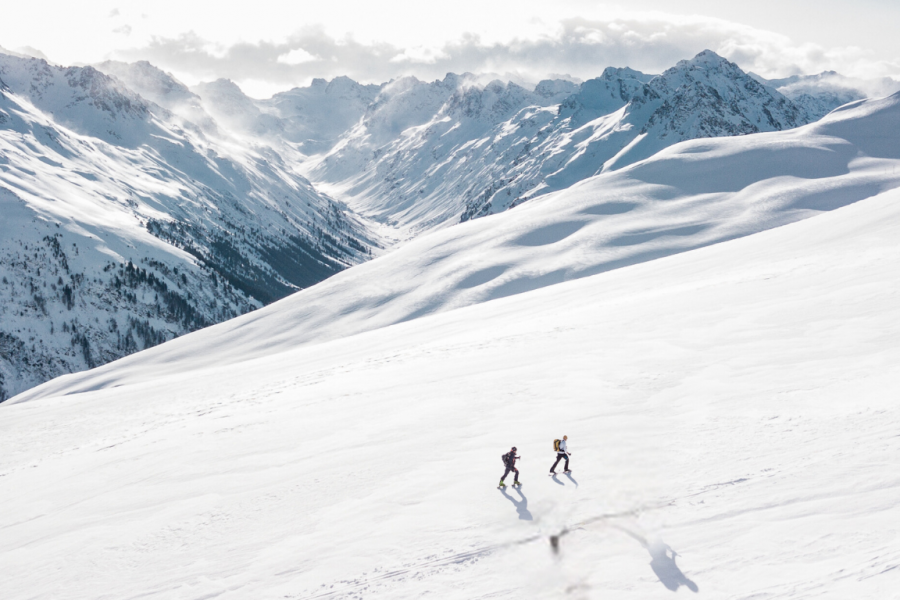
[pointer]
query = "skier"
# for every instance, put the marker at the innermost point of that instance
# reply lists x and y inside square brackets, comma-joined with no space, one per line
[509,459]
[561,453]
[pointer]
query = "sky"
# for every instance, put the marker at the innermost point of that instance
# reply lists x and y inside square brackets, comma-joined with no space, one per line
[270,45]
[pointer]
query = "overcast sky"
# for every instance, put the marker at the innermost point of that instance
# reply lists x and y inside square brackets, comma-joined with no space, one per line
[271,45]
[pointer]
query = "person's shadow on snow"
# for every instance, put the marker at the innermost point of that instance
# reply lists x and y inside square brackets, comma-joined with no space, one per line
[662,561]
[572,479]
[663,564]
[521,505]
[555,480]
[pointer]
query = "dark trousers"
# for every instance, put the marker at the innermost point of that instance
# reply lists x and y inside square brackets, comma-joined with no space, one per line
[506,472]
[559,457]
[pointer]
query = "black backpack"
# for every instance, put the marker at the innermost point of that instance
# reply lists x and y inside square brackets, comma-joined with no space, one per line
[506,458]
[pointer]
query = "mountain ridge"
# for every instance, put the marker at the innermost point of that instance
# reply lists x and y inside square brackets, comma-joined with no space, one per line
[606,123]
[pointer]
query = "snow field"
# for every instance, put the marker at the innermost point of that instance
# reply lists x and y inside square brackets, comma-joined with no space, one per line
[734,404]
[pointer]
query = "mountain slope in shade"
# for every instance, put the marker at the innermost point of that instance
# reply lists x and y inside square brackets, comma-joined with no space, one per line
[488,149]
[693,194]
[124,225]
[731,413]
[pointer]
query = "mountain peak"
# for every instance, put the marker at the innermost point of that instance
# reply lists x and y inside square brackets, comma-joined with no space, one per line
[708,57]
[706,60]
[222,85]
[615,73]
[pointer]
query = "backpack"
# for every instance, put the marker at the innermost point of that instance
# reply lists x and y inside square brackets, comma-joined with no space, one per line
[507,458]
[556,445]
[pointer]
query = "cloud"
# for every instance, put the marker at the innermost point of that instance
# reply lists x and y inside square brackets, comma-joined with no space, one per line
[25,52]
[296,56]
[578,46]
[840,85]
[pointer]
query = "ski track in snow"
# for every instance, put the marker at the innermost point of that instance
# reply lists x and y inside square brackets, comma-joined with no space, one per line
[463,559]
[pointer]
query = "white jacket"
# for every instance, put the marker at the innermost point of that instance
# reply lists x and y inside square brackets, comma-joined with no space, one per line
[562,446]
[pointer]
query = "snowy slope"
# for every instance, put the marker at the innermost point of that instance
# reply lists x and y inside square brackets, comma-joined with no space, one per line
[124,225]
[731,412]
[486,149]
[693,194]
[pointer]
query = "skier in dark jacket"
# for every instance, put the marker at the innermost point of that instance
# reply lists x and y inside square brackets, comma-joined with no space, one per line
[561,453]
[509,459]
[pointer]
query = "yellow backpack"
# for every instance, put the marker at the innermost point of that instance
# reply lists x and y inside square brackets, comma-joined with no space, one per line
[556,445]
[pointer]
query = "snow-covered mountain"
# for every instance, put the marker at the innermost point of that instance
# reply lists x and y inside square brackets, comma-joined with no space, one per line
[690,195]
[819,94]
[124,225]
[731,413]
[195,199]
[433,154]
[418,155]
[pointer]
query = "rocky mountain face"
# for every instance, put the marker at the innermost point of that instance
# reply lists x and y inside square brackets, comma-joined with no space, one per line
[124,225]
[462,151]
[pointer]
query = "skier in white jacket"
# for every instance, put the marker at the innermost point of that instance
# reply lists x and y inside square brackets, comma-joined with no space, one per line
[561,453]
